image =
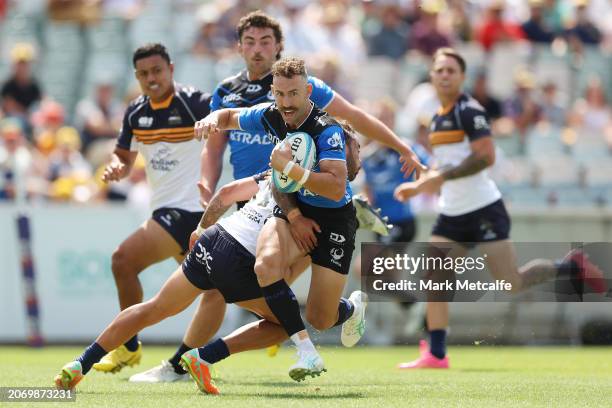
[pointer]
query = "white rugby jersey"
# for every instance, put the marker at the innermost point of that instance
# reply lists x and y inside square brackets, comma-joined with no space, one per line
[451,131]
[163,134]
[244,225]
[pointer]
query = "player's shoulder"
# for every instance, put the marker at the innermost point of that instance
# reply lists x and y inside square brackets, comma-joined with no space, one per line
[137,102]
[136,105]
[468,104]
[232,82]
[326,121]
[189,92]
[316,82]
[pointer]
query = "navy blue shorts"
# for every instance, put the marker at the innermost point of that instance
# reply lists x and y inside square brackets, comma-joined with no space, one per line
[219,261]
[179,223]
[489,223]
[336,241]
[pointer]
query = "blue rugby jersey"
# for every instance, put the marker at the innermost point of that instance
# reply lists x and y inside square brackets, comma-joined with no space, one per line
[326,132]
[250,151]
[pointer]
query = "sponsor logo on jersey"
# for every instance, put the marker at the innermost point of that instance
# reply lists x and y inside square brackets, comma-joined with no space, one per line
[175,118]
[335,140]
[161,160]
[250,138]
[252,88]
[233,97]
[145,121]
[446,124]
[480,122]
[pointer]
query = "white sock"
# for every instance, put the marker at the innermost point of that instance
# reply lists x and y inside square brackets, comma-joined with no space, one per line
[304,345]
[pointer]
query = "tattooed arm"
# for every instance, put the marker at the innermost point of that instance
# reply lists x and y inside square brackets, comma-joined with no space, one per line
[302,228]
[483,156]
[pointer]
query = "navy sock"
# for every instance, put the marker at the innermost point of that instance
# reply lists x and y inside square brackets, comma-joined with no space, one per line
[345,311]
[177,357]
[437,343]
[214,352]
[284,305]
[91,356]
[132,344]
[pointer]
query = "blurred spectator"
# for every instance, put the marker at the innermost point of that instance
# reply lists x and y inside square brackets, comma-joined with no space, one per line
[68,172]
[327,68]
[298,32]
[592,113]
[495,29]
[99,119]
[337,36]
[133,189]
[21,91]
[231,15]
[391,38]
[127,10]
[15,161]
[83,12]
[535,28]
[522,106]
[47,120]
[583,30]
[457,18]
[425,35]
[552,110]
[209,41]
[480,92]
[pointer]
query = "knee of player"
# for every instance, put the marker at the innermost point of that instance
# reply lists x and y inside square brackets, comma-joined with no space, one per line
[268,267]
[119,262]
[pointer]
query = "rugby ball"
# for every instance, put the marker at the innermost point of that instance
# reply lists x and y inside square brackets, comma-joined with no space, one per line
[303,152]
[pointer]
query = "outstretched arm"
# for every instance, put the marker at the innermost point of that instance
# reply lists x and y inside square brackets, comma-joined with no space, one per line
[222,119]
[374,129]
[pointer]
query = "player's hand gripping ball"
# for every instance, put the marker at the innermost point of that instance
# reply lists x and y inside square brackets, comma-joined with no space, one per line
[303,153]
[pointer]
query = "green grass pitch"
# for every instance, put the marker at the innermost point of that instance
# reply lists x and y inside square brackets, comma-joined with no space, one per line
[359,377]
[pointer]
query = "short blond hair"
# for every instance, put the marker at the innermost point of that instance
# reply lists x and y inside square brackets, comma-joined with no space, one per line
[289,67]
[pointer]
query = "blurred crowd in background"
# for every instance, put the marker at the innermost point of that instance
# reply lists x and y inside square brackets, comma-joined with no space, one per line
[541,68]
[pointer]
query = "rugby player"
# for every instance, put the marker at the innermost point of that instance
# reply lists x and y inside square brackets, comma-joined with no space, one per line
[260,43]
[159,125]
[222,259]
[323,219]
[472,212]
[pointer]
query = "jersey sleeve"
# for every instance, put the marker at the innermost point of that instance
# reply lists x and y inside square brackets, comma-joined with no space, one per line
[251,119]
[215,100]
[330,144]
[125,134]
[201,104]
[475,123]
[322,94]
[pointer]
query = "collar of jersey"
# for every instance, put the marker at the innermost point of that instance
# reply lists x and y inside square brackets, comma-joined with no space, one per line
[446,109]
[261,78]
[163,104]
